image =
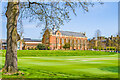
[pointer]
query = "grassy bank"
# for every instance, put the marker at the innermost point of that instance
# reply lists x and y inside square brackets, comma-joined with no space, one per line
[34,53]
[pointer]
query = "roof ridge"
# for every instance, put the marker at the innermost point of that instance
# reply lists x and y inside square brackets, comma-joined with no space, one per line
[71,31]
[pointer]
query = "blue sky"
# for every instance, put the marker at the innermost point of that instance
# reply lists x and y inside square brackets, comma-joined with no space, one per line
[103,17]
[119,20]
[0,21]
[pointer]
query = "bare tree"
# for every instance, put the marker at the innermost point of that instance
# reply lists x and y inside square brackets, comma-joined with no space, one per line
[97,33]
[48,13]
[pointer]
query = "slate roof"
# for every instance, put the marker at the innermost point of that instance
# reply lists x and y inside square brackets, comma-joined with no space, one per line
[70,33]
[31,40]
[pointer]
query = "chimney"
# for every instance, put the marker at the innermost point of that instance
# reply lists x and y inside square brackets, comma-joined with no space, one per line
[117,35]
[84,33]
[93,37]
[53,27]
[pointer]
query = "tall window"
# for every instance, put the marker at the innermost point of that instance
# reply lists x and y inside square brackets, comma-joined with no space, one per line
[66,40]
[78,41]
[85,42]
[71,42]
[58,41]
[46,39]
[62,41]
[81,44]
[74,42]
[81,41]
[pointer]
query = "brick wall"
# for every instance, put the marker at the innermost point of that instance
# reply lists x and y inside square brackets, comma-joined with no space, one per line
[58,40]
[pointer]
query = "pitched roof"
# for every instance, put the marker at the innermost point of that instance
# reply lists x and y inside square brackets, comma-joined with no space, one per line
[31,40]
[70,33]
[67,33]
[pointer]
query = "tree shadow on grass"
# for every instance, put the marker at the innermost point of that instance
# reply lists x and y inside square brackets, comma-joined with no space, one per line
[110,69]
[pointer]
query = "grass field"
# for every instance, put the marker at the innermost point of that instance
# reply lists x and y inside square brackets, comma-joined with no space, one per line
[34,53]
[66,66]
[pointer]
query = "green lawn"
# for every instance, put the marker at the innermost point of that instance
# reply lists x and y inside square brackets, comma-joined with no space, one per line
[23,53]
[67,66]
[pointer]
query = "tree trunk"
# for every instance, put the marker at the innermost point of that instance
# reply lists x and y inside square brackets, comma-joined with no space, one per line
[12,14]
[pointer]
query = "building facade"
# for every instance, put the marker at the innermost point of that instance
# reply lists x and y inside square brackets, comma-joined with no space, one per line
[56,39]
[104,42]
[24,44]
[28,43]
[3,44]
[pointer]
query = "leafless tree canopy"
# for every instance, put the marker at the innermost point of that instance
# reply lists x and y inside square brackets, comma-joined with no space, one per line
[50,13]
[97,33]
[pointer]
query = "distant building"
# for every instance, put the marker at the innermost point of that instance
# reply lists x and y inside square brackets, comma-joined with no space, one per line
[113,41]
[3,44]
[56,39]
[92,43]
[28,43]
[25,43]
[104,42]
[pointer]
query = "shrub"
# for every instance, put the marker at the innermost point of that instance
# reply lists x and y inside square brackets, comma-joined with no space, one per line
[95,48]
[41,47]
[99,48]
[48,48]
[67,45]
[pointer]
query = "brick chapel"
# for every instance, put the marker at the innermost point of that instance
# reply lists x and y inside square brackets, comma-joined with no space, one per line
[56,39]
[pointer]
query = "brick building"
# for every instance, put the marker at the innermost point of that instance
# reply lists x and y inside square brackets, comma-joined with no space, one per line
[24,44]
[28,43]
[56,39]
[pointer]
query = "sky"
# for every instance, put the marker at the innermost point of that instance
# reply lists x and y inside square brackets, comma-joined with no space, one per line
[119,20]
[0,21]
[103,17]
